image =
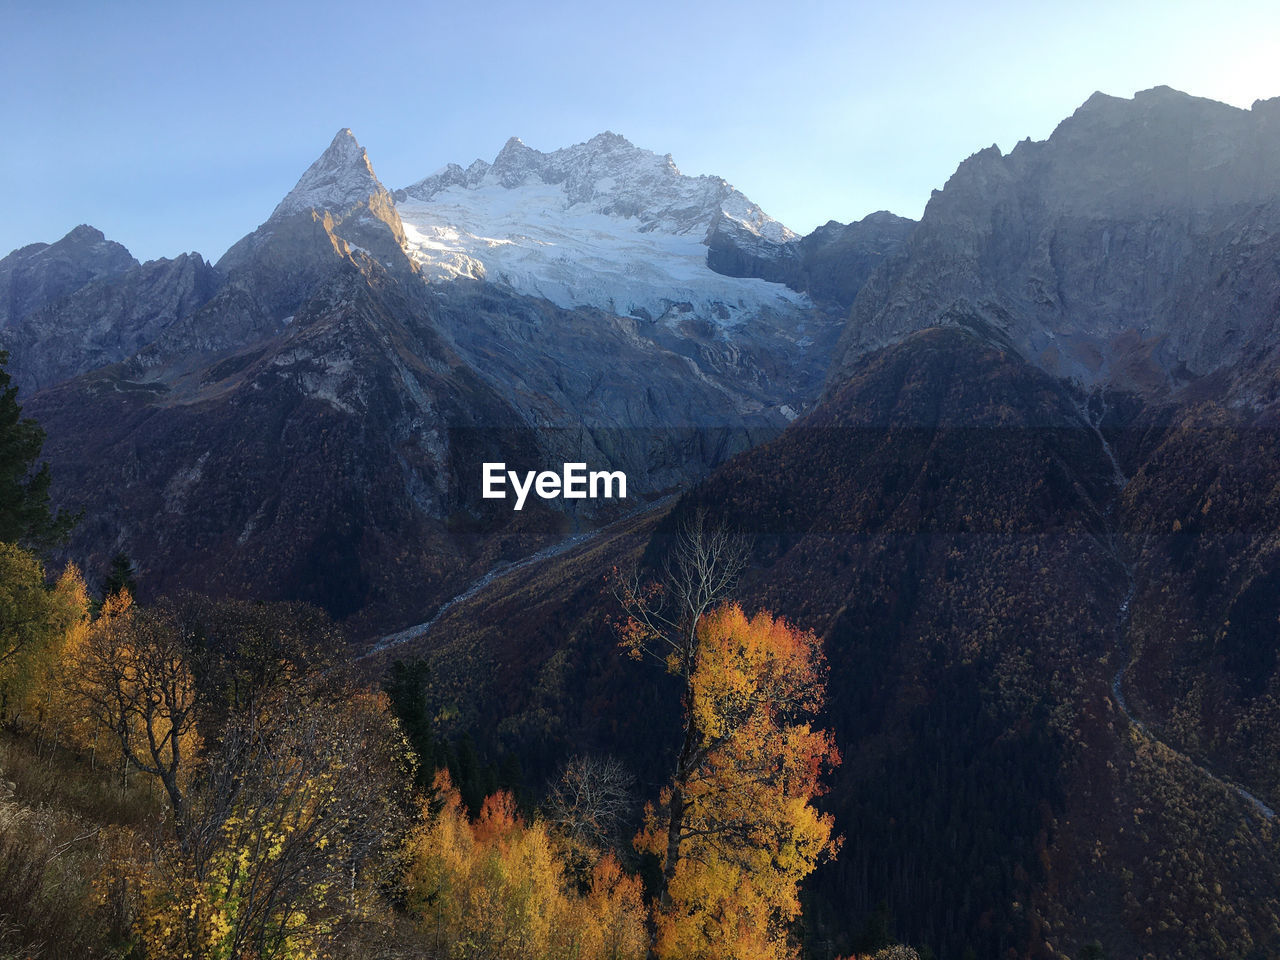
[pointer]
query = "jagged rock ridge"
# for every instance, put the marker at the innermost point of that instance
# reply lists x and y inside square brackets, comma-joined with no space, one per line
[40,273]
[1136,247]
[107,320]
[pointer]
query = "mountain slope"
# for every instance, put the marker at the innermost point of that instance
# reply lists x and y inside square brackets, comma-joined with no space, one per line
[946,521]
[323,466]
[1200,515]
[1033,519]
[1136,247]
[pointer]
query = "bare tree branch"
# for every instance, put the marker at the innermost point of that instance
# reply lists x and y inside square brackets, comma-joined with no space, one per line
[700,571]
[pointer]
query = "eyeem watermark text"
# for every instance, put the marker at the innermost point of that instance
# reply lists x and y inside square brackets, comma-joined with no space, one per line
[572,483]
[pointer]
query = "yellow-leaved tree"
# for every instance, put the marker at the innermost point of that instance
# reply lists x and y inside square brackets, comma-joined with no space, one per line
[135,681]
[735,829]
[497,888]
[746,833]
[36,623]
[291,833]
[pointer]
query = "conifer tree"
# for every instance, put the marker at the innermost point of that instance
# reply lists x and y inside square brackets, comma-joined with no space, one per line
[25,517]
[121,575]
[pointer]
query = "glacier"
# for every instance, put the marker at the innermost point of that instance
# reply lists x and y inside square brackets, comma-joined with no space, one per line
[600,224]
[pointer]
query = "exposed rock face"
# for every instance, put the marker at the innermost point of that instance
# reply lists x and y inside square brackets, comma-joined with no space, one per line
[837,259]
[340,179]
[1136,247]
[736,251]
[106,320]
[338,209]
[323,464]
[40,273]
[663,405]
[830,265]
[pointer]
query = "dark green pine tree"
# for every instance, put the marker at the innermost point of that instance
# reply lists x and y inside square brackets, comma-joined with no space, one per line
[25,517]
[121,575]
[406,686]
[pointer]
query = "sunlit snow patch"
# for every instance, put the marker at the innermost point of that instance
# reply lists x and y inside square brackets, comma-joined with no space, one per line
[617,228]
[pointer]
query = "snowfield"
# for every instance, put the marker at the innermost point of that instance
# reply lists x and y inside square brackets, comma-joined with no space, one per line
[602,224]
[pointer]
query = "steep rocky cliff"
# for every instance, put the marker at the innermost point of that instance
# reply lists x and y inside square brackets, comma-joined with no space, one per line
[830,264]
[40,273]
[106,320]
[1136,247]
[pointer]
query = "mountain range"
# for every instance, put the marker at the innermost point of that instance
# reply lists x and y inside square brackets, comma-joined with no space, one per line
[1016,464]
[356,321]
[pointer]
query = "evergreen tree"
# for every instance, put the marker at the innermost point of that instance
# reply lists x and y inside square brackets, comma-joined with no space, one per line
[121,575]
[406,686]
[25,517]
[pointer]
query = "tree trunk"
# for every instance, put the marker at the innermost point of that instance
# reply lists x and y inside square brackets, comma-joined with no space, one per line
[680,782]
[676,808]
[675,824]
[177,802]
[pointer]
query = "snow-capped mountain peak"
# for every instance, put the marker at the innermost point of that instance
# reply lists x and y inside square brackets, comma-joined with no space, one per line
[610,175]
[603,223]
[338,208]
[339,179]
[515,163]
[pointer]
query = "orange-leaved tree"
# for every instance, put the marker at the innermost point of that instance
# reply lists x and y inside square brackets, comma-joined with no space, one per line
[735,829]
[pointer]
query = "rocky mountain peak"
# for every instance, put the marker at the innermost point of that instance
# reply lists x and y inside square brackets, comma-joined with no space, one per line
[515,163]
[91,242]
[85,234]
[338,180]
[338,210]
[609,139]
[1105,253]
[40,273]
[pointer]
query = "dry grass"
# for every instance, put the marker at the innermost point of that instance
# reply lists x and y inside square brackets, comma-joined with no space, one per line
[48,774]
[65,830]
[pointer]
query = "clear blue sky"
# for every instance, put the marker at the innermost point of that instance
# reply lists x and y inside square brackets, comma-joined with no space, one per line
[177,126]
